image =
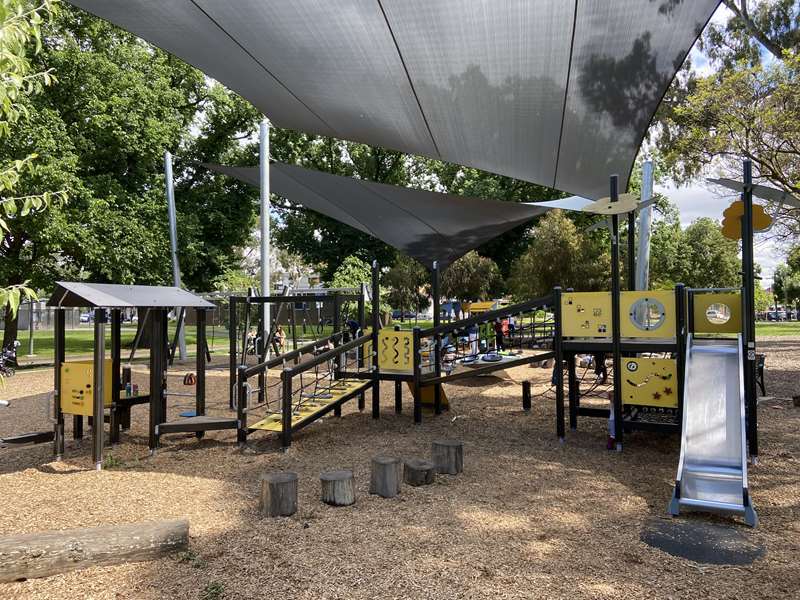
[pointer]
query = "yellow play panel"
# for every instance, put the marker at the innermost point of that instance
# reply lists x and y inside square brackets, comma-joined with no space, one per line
[586,314]
[650,382]
[77,386]
[428,397]
[313,406]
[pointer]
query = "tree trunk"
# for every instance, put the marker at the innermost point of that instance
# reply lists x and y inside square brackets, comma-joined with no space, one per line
[278,494]
[385,477]
[48,553]
[419,472]
[338,488]
[11,327]
[448,456]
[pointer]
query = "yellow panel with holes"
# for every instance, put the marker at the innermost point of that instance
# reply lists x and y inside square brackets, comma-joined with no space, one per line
[717,312]
[586,314]
[77,387]
[395,351]
[650,382]
[648,314]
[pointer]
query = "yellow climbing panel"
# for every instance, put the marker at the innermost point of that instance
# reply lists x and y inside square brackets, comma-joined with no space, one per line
[586,314]
[77,386]
[395,351]
[311,407]
[650,382]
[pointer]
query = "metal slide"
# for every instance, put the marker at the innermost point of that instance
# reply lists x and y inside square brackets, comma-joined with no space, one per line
[712,472]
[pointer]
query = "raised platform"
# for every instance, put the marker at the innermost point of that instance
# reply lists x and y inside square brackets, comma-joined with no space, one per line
[193,424]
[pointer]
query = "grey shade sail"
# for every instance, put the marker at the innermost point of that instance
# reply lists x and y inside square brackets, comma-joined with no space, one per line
[557,92]
[69,294]
[760,191]
[428,226]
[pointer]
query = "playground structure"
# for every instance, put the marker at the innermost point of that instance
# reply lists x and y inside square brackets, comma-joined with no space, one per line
[94,388]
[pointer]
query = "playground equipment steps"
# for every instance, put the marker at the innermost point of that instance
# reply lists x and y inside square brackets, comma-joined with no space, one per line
[34,437]
[195,424]
[712,471]
[315,406]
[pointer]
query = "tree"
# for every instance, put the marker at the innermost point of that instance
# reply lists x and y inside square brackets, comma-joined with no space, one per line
[471,277]
[748,108]
[762,299]
[409,284]
[560,255]
[100,135]
[711,259]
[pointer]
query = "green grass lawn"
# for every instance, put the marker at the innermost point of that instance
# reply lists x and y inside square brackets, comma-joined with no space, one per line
[785,328]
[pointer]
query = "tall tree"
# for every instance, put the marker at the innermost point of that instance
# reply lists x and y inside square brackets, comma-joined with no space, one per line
[471,277]
[409,284]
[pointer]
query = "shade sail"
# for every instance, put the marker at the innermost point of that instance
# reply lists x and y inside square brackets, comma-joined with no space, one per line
[429,226]
[110,295]
[557,92]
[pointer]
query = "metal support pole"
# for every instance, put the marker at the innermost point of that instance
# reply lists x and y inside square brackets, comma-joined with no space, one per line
[558,370]
[200,366]
[286,408]
[116,378]
[645,222]
[263,170]
[98,388]
[30,328]
[232,349]
[526,396]
[241,407]
[173,241]
[156,375]
[417,361]
[376,326]
[632,250]
[58,359]
[437,339]
[749,320]
[615,320]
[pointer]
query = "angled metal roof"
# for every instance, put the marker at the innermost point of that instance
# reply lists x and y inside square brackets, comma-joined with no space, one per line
[109,295]
[429,226]
[557,92]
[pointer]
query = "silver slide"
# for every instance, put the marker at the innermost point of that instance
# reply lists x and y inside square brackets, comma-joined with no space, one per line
[712,472]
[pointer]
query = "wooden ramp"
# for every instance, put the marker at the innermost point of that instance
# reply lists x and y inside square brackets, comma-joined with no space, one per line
[195,424]
[313,407]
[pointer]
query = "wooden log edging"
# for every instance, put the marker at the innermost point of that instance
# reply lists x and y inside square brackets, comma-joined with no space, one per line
[385,476]
[338,488]
[42,554]
[278,494]
[448,456]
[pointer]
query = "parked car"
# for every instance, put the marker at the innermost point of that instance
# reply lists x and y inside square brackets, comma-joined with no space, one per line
[86,317]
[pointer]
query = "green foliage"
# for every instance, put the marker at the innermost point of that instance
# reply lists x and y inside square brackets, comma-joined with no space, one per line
[471,277]
[352,272]
[762,298]
[409,284]
[709,259]
[560,255]
[214,590]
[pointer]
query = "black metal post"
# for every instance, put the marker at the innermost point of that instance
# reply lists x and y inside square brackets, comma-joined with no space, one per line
[98,388]
[632,250]
[417,360]
[526,396]
[376,326]
[156,375]
[437,339]
[362,319]
[200,366]
[749,313]
[58,359]
[232,348]
[573,391]
[558,370]
[241,406]
[286,408]
[615,320]
[680,340]
[116,378]
[293,326]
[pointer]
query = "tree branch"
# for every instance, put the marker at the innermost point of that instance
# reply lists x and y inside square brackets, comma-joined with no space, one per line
[741,12]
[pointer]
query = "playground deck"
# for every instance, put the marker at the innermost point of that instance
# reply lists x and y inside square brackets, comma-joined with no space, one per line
[527,519]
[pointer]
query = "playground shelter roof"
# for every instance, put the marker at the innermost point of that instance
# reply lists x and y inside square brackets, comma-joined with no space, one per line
[69,294]
[557,92]
[428,226]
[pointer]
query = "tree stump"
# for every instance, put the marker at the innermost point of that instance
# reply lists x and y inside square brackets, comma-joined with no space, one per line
[338,488]
[418,472]
[278,494]
[448,456]
[47,553]
[385,477]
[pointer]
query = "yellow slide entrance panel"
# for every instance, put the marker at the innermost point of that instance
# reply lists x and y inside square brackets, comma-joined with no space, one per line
[395,351]
[650,382]
[586,314]
[77,386]
[311,407]
[647,314]
[717,312]
[428,399]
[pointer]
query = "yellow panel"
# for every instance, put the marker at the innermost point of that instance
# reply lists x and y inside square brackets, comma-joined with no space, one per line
[395,351]
[667,326]
[650,382]
[586,314]
[428,397]
[707,320]
[77,387]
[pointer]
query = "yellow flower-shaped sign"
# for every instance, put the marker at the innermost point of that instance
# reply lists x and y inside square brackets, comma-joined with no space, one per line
[732,220]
